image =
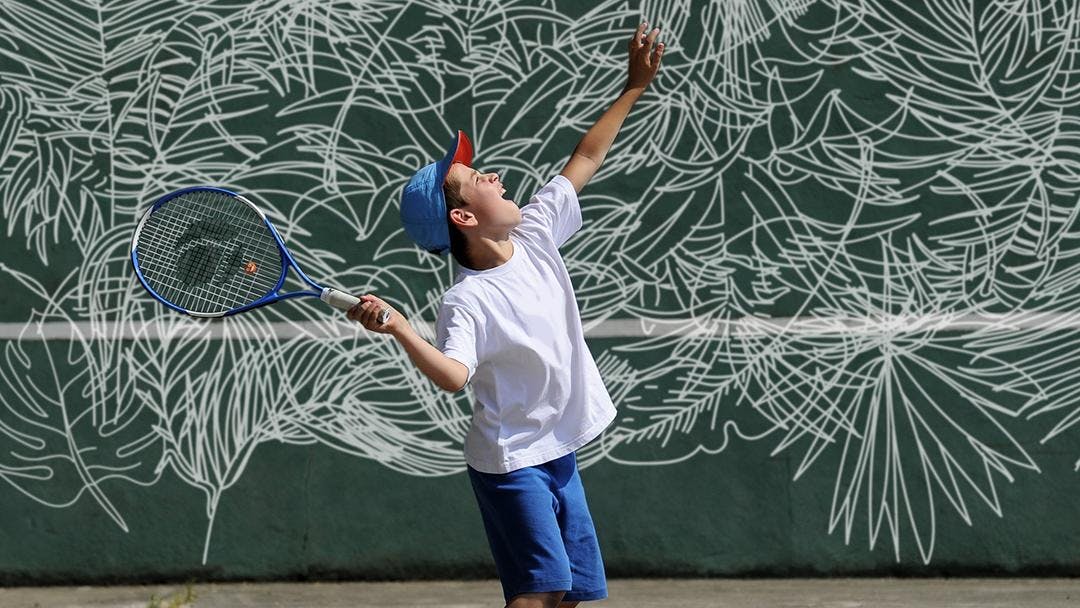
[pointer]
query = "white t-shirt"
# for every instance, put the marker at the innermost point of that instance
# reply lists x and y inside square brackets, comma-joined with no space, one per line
[537,392]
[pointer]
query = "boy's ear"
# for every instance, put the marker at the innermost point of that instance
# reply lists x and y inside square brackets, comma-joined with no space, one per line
[460,217]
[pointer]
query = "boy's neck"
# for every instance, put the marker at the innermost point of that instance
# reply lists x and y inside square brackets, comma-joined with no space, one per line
[485,253]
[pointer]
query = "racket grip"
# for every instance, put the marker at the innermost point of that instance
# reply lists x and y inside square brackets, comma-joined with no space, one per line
[344,301]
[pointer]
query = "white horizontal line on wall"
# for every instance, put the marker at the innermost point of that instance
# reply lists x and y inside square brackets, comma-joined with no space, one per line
[222,329]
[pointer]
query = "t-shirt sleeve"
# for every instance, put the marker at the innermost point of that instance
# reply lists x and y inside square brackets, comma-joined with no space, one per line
[456,331]
[556,208]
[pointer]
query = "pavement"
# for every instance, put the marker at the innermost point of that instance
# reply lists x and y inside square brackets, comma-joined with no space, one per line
[623,593]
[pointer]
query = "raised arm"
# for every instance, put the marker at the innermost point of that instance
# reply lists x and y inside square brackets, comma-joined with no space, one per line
[593,147]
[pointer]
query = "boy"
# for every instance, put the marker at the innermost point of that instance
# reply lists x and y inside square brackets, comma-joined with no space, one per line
[510,325]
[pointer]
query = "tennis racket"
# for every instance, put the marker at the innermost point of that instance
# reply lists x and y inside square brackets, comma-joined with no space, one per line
[209,252]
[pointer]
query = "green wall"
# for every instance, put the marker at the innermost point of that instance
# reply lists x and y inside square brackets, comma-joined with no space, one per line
[828,273]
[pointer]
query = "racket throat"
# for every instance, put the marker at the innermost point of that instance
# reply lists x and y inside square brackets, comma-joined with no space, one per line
[293,284]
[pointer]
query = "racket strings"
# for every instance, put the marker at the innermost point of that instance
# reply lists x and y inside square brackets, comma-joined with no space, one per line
[206,252]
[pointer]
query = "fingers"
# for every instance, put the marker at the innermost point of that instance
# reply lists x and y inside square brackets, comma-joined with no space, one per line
[355,313]
[371,311]
[642,42]
[367,311]
[652,36]
[367,316]
[639,36]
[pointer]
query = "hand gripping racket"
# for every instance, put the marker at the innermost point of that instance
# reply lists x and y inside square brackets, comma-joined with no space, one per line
[209,252]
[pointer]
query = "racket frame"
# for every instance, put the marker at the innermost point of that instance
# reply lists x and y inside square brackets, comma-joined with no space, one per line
[317,291]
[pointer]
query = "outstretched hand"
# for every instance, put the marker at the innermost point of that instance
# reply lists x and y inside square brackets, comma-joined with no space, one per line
[644,58]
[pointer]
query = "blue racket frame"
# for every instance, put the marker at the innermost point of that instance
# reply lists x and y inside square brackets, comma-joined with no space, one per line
[271,297]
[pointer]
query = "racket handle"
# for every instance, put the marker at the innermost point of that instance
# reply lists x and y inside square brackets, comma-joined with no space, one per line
[344,301]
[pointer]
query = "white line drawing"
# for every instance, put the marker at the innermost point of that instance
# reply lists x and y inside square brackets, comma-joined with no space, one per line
[846,228]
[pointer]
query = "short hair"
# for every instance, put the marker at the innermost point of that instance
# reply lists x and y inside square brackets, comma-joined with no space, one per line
[459,246]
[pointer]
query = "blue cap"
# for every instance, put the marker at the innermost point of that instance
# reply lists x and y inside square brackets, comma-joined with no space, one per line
[423,206]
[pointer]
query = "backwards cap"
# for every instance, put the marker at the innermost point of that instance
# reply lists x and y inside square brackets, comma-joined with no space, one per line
[423,205]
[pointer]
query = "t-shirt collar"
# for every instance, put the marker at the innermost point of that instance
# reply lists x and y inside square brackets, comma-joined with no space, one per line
[501,268]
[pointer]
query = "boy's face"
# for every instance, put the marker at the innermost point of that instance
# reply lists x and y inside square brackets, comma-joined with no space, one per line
[486,207]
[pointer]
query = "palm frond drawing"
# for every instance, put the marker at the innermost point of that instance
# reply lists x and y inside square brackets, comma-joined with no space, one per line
[62,437]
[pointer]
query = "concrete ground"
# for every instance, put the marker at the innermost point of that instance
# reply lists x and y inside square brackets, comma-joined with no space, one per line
[682,593]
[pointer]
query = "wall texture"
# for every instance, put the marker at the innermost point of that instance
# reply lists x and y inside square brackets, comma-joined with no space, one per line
[828,271]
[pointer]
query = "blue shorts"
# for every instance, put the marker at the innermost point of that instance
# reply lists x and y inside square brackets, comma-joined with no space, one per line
[540,531]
